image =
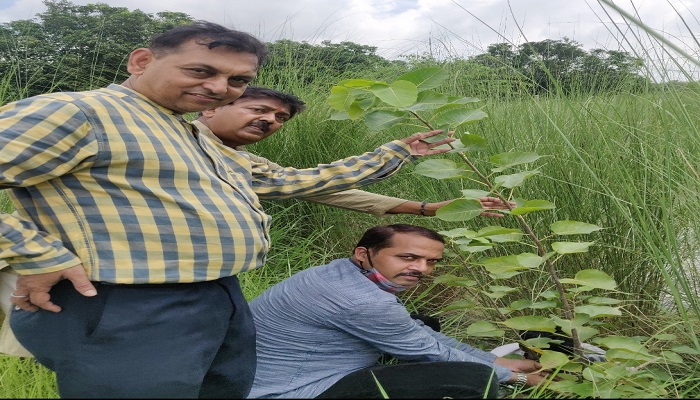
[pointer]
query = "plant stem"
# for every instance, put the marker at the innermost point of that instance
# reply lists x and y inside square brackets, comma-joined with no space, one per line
[541,251]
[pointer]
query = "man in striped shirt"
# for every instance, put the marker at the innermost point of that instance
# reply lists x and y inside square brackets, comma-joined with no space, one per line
[132,226]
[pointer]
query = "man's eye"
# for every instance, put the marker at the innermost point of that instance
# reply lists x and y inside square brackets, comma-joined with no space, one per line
[199,71]
[238,82]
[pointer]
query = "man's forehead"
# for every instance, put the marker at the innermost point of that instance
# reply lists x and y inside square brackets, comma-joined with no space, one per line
[267,102]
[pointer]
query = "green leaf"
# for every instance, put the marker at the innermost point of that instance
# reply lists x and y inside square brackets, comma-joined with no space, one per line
[427,100]
[683,349]
[459,117]
[583,390]
[586,332]
[567,325]
[520,304]
[625,354]
[514,180]
[474,193]
[541,305]
[598,311]
[531,323]
[511,159]
[665,336]
[367,103]
[496,292]
[460,210]
[458,232]
[622,342]
[593,278]
[340,98]
[426,78]
[339,116]
[475,247]
[484,329]
[440,169]
[453,280]
[355,110]
[671,357]
[520,261]
[540,342]
[533,205]
[397,94]
[568,227]
[382,119]
[571,247]
[602,300]
[503,272]
[500,234]
[472,142]
[553,359]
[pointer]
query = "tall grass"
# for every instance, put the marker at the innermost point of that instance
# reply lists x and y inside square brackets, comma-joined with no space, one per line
[627,162]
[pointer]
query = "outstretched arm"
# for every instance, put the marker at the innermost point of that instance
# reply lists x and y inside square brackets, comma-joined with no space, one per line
[430,209]
[273,183]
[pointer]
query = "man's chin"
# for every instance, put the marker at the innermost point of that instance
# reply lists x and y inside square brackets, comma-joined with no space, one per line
[261,134]
[409,281]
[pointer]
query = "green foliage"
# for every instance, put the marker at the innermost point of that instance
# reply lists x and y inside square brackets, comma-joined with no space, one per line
[72,48]
[24,378]
[573,305]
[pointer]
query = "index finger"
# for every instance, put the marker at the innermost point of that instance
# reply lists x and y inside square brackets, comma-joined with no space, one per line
[40,299]
[421,135]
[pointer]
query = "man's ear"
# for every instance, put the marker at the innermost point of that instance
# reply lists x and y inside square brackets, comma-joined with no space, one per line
[360,254]
[138,60]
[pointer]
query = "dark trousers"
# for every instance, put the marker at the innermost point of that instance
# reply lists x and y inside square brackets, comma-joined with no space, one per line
[145,341]
[422,380]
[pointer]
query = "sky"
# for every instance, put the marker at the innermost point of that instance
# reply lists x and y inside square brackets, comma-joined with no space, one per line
[439,27]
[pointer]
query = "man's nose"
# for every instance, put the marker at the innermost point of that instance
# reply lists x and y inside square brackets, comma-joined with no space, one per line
[269,117]
[421,265]
[218,85]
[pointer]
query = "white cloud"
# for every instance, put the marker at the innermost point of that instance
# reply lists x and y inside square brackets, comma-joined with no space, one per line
[396,27]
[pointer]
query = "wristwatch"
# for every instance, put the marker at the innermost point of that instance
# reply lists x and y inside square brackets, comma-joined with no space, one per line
[520,381]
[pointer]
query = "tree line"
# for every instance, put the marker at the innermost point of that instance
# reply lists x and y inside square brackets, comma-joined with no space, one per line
[72,47]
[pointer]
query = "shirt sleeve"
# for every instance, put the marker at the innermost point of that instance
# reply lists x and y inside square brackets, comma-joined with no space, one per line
[351,199]
[502,372]
[391,329]
[270,181]
[40,139]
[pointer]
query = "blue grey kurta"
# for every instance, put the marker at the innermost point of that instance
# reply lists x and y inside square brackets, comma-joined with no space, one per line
[328,321]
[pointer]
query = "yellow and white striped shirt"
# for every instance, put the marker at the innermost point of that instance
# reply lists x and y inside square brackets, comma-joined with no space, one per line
[109,179]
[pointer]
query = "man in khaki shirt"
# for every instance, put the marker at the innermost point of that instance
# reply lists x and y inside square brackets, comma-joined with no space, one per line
[255,115]
[259,112]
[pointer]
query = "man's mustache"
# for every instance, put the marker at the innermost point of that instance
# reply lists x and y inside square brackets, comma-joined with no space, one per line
[418,275]
[262,125]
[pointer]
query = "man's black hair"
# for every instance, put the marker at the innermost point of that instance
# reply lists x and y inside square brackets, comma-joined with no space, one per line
[258,92]
[379,237]
[211,35]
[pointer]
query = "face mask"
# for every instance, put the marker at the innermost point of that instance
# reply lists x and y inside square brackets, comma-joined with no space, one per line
[380,280]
